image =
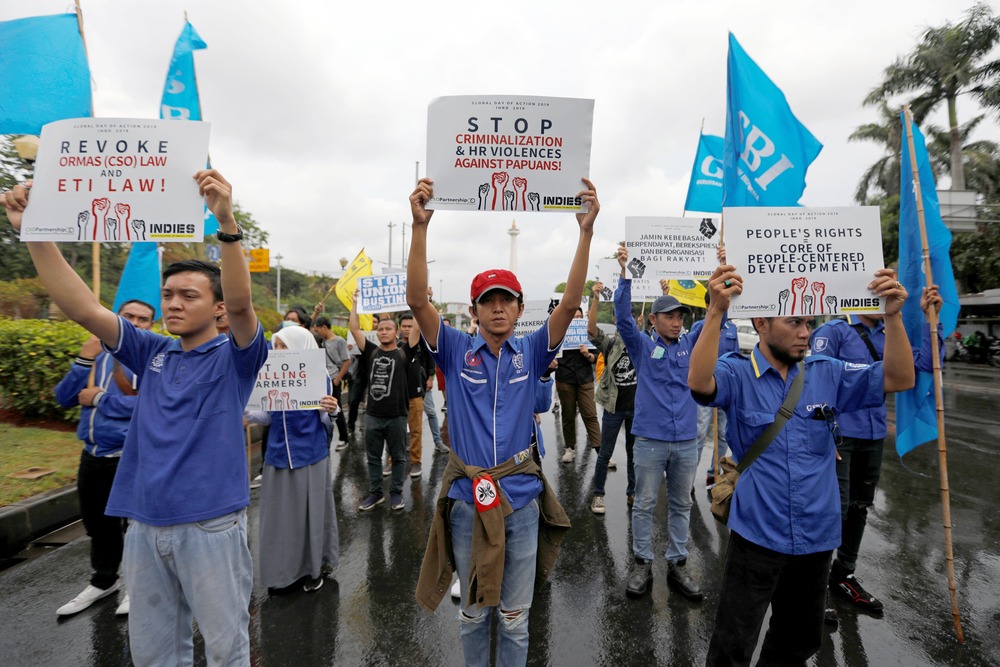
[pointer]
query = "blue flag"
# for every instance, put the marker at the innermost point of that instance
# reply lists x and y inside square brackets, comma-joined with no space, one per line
[705,188]
[141,277]
[767,150]
[45,73]
[916,415]
[180,92]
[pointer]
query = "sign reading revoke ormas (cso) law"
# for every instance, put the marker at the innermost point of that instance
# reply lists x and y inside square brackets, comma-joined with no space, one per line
[804,261]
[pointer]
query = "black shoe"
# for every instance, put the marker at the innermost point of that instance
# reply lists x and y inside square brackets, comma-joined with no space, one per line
[830,615]
[641,579]
[849,587]
[685,585]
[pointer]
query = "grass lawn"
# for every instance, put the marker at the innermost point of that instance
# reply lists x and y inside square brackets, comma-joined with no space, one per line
[25,447]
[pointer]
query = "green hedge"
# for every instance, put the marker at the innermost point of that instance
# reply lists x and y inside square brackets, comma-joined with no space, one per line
[34,356]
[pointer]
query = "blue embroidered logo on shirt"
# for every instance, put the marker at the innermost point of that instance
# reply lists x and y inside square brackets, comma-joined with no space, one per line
[156,365]
[518,361]
[821,343]
[855,367]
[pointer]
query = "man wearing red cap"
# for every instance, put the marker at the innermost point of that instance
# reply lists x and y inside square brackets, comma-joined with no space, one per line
[491,380]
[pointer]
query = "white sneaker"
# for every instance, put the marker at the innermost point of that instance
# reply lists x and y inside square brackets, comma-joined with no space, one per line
[456,590]
[569,455]
[612,464]
[122,609]
[341,446]
[87,597]
[597,505]
[255,483]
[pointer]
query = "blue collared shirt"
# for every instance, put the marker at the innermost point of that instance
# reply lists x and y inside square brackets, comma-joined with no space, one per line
[729,337]
[491,403]
[664,409]
[185,458]
[788,499]
[103,425]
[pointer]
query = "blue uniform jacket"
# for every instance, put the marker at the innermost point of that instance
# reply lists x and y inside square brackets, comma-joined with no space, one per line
[102,427]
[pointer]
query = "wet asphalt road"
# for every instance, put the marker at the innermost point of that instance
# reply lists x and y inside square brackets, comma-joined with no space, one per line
[368,616]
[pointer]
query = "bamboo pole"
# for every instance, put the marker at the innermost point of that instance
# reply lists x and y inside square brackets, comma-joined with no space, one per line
[949,556]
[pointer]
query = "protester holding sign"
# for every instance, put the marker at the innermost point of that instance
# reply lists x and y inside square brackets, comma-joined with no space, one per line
[186,552]
[575,387]
[785,518]
[494,480]
[298,520]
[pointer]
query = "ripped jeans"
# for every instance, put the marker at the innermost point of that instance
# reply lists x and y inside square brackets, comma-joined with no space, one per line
[516,591]
[858,473]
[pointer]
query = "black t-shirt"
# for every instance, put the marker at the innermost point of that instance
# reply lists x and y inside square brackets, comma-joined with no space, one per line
[623,375]
[387,380]
[574,368]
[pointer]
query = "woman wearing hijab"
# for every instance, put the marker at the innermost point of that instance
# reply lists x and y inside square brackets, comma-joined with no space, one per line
[298,520]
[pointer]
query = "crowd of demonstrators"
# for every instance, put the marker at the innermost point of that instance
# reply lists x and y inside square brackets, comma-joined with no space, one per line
[616,394]
[298,520]
[861,339]
[492,379]
[182,477]
[387,405]
[782,535]
[575,387]
[106,391]
[665,428]
[338,364]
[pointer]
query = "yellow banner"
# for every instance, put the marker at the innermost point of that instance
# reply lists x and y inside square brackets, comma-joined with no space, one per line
[689,292]
[359,268]
[260,260]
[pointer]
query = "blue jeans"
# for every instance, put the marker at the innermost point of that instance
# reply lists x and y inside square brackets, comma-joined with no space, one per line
[199,570]
[380,433]
[611,424]
[432,417]
[516,590]
[705,426]
[680,461]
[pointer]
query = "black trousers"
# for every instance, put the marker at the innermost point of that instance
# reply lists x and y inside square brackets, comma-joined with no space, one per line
[340,421]
[107,533]
[755,577]
[858,473]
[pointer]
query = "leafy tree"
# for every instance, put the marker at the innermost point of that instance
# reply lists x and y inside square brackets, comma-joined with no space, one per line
[947,62]
[883,176]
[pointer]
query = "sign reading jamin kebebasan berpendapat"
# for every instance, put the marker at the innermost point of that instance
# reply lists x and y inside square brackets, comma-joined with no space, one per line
[508,152]
[116,179]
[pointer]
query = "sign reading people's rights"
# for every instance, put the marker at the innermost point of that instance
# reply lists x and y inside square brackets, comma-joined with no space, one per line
[290,380]
[508,152]
[671,247]
[115,179]
[382,294]
[804,261]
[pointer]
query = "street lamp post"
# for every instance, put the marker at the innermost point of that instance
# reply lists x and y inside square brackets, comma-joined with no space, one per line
[277,260]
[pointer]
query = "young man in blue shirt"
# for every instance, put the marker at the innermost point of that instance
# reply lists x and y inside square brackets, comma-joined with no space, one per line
[784,517]
[107,401]
[183,480]
[666,430]
[492,379]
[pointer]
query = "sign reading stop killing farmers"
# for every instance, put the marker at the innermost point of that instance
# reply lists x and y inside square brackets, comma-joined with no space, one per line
[804,261]
[508,152]
[115,179]
[290,380]
[672,247]
[382,294]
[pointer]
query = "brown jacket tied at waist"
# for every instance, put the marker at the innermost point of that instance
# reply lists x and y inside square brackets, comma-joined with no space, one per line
[488,536]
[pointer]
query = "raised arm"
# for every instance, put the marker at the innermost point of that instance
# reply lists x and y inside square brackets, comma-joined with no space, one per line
[64,285]
[354,324]
[563,314]
[595,297]
[416,267]
[701,375]
[236,289]
[898,359]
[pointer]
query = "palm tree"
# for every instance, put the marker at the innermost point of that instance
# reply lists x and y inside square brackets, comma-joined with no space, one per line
[946,63]
[980,159]
[884,174]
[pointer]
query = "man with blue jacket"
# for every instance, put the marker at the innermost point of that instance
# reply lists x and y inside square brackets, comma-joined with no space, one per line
[107,404]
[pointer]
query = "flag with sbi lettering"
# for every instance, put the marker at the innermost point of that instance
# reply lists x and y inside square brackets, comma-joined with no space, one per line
[916,413]
[705,188]
[45,73]
[180,93]
[141,277]
[766,149]
[359,268]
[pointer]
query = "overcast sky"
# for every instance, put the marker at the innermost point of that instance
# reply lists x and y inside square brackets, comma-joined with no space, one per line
[318,109]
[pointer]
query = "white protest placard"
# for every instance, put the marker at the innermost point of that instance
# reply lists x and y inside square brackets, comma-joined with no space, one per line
[290,380]
[672,247]
[382,294]
[609,272]
[118,179]
[535,313]
[508,152]
[576,335]
[644,286]
[804,261]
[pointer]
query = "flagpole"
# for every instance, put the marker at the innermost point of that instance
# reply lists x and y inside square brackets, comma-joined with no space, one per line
[949,556]
[95,250]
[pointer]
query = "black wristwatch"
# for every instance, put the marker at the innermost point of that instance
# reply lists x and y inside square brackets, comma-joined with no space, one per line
[230,238]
